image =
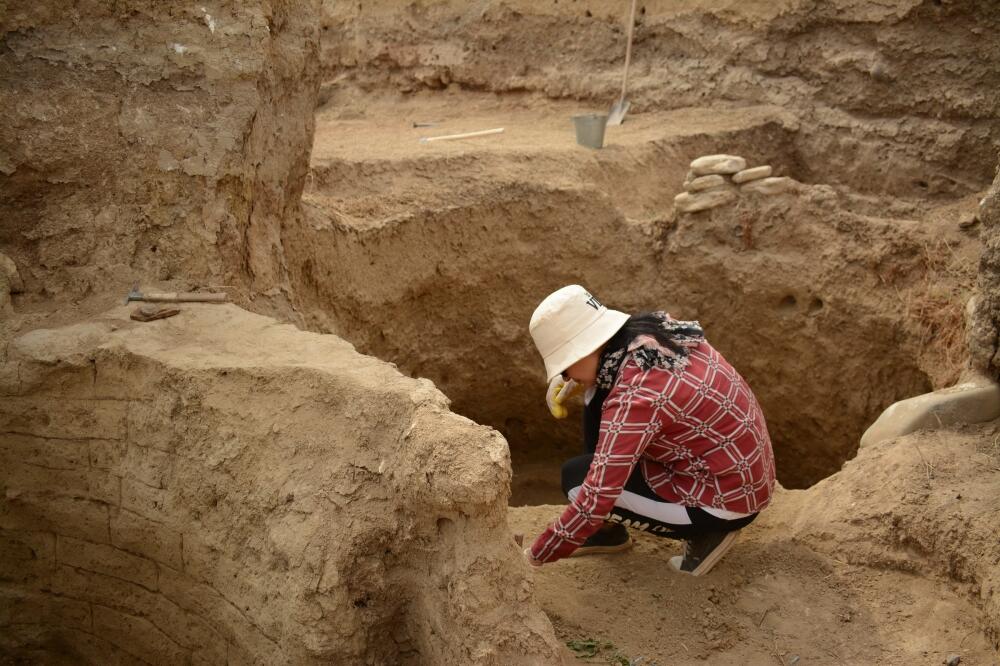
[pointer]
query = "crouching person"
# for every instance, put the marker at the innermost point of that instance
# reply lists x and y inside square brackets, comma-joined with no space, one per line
[675,442]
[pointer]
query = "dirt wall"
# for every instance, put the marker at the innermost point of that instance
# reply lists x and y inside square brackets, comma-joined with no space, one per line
[220,488]
[895,96]
[465,281]
[147,141]
[984,324]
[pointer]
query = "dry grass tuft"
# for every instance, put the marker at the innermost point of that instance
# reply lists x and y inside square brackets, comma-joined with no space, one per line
[935,307]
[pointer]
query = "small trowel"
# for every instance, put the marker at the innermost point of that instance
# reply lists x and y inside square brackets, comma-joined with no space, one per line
[616,116]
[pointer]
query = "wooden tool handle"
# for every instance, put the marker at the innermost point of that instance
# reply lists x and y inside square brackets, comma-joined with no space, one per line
[466,135]
[184,297]
[628,49]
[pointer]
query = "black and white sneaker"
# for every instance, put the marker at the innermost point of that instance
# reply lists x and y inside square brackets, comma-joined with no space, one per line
[611,538]
[702,552]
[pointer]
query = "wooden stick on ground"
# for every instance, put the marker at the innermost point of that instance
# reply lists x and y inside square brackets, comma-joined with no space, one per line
[466,135]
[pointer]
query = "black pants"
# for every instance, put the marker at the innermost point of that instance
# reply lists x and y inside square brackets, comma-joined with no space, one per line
[575,470]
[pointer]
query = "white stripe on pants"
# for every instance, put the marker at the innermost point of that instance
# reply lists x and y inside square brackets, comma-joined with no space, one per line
[664,512]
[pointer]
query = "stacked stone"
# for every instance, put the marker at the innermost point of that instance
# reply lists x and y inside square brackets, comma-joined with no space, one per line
[715,180]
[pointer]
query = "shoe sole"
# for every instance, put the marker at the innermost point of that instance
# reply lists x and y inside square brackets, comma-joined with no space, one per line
[709,562]
[599,550]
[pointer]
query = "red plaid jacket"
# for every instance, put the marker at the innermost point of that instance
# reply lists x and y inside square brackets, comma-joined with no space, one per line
[698,434]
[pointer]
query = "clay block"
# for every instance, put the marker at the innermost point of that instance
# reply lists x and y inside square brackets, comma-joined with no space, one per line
[106,454]
[65,380]
[52,453]
[194,633]
[137,635]
[709,164]
[85,483]
[24,607]
[65,418]
[225,572]
[38,510]
[756,173]
[91,649]
[149,424]
[704,183]
[206,602]
[769,186]
[146,465]
[181,625]
[26,557]
[106,590]
[687,202]
[972,402]
[146,501]
[106,559]
[146,538]
[119,375]
[201,561]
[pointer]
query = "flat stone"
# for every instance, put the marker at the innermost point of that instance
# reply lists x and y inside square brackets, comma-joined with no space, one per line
[709,164]
[688,202]
[768,185]
[756,173]
[704,183]
[971,402]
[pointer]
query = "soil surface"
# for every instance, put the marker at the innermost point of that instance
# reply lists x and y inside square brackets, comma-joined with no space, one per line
[847,572]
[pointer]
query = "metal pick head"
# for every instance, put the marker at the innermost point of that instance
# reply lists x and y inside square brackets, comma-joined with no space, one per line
[133,295]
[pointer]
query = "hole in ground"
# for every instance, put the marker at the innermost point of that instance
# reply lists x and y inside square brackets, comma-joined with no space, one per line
[473,250]
[461,320]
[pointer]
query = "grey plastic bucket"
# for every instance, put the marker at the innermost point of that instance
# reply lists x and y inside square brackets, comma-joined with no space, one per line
[590,129]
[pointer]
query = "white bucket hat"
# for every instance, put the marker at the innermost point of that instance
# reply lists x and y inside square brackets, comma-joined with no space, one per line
[569,324]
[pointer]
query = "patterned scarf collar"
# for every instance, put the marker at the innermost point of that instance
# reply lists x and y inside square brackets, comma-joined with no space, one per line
[655,340]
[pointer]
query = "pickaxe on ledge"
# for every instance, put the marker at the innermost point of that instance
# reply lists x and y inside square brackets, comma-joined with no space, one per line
[173,296]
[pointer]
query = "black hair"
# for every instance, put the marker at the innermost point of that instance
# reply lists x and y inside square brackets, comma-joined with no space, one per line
[648,323]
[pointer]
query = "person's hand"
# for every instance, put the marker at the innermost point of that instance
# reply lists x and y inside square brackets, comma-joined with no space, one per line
[530,559]
[560,390]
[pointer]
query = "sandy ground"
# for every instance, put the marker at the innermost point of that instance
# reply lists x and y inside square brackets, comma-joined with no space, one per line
[371,127]
[772,598]
[363,139]
[890,561]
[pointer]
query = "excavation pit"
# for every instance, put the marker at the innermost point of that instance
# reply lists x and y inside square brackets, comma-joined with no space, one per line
[478,231]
